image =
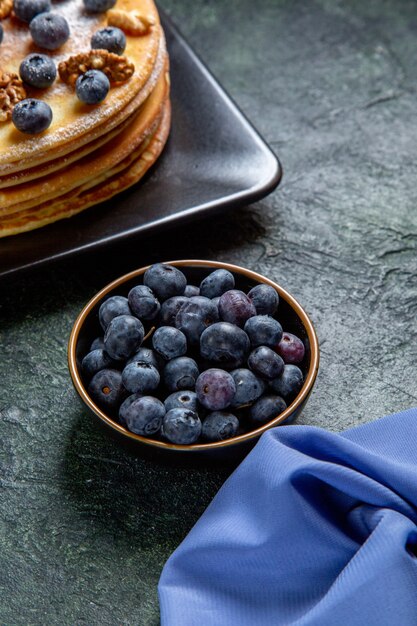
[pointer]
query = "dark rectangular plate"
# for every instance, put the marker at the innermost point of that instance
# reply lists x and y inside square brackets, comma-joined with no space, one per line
[214,160]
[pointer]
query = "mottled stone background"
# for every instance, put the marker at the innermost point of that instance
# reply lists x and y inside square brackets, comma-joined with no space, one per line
[85,528]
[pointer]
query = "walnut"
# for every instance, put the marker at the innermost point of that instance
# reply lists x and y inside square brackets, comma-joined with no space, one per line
[117,68]
[131,22]
[11,91]
[6,7]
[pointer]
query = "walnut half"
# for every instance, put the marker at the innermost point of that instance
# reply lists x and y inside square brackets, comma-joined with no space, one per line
[11,92]
[6,7]
[117,68]
[130,22]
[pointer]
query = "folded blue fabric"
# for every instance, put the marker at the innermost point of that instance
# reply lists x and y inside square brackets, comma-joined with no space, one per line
[313,528]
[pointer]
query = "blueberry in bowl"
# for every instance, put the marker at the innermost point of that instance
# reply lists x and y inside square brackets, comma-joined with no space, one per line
[193,358]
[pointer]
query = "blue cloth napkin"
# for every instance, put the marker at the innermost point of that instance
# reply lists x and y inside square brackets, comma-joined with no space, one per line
[312,528]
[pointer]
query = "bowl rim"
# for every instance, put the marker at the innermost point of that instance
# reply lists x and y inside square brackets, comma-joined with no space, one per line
[239,439]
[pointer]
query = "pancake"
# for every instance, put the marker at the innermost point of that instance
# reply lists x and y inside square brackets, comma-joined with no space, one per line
[92,165]
[75,124]
[80,199]
[32,173]
[39,149]
[90,152]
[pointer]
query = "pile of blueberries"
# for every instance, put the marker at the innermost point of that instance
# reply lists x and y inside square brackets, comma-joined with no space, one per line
[214,363]
[50,31]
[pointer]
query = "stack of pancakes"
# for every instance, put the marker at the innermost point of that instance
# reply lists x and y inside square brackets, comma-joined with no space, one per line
[89,153]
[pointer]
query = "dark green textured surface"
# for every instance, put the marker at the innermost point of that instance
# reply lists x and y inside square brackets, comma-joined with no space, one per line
[85,528]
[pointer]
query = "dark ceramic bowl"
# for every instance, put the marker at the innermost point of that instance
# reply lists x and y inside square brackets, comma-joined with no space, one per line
[291,315]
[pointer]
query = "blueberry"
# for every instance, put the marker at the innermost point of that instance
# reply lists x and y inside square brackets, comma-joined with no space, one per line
[49,30]
[97,344]
[195,316]
[181,426]
[111,38]
[265,299]
[144,416]
[32,116]
[106,389]
[216,283]
[248,387]
[170,308]
[185,399]
[215,389]
[146,355]
[266,363]
[263,330]
[143,303]
[99,6]
[169,342]
[266,408]
[225,344]
[114,306]
[219,425]
[123,336]
[95,361]
[289,383]
[38,70]
[235,307]
[140,377]
[26,10]
[1,33]
[92,87]
[180,373]
[166,281]
[191,290]
[291,348]
[125,405]
[216,302]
